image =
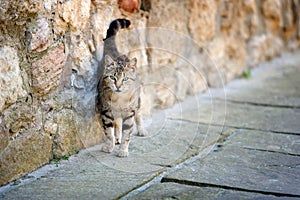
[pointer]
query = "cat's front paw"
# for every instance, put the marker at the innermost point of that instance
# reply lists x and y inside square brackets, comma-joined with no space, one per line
[142,133]
[123,153]
[108,148]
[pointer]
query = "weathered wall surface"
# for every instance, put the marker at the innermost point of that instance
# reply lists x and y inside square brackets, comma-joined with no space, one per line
[50,50]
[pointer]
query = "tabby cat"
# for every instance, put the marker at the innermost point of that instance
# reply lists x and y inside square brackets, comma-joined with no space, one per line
[118,100]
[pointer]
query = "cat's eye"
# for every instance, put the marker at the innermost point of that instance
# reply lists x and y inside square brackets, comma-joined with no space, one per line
[120,63]
[112,77]
[125,79]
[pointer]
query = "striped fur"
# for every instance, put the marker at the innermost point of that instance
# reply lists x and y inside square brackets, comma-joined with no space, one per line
[118,101]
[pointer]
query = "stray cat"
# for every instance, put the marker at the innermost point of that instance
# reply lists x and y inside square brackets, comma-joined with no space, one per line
[118,101]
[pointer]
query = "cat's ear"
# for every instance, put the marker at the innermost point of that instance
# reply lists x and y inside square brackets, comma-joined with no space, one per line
[132,64]
[108,60]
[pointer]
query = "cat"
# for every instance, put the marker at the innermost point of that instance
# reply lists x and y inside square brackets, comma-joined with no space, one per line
[118,101]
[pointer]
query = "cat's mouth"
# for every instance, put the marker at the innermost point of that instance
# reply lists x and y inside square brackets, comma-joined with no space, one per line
[118,90]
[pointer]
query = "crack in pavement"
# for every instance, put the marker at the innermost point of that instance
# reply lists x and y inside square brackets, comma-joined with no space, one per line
[271,151]
[170,169]
[257,103]
[158,179]
[236,127]
[200,184]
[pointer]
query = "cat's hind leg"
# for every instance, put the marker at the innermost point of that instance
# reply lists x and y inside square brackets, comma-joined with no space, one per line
[118,130]
[107,122]
[140,124]
[109,145]
[127,129]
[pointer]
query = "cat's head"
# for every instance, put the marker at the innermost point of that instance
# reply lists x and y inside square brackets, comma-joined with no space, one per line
[119,74]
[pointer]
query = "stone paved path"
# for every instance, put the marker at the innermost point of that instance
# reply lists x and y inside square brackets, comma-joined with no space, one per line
[242,145]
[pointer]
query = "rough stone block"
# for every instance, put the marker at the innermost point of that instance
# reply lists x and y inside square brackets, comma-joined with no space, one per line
[40,35]
[66,139]
[76,12]
[10,77]
[23,155]
[271,10]
[46,71]
[4,137]
[14,10]
[238,18]
[291,10]
[203,14]
[263,47]
[167,21]
[225,61]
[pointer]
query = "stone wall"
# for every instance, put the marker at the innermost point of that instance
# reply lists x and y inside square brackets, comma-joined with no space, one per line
[50,50]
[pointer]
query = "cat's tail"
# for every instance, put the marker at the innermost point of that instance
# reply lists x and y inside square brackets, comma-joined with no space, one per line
[115,26]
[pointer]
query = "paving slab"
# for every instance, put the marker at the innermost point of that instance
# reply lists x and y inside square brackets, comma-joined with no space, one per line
[83,177]
[168,144]
[222,113]
[180,191]
[274,83]
[237,165]
[267,141]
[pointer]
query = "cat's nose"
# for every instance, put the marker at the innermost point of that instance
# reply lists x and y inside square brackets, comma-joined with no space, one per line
[118,89]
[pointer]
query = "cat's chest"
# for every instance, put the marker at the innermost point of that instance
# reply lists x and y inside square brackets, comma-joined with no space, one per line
[123,102]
